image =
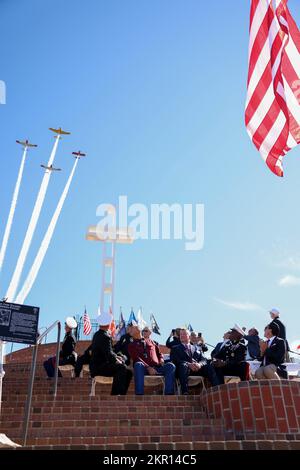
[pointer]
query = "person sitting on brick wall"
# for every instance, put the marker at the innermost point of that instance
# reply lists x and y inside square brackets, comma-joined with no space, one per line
[104,361]
[231,359]
[67,354]
[148,360]
[272,354]
[190,361]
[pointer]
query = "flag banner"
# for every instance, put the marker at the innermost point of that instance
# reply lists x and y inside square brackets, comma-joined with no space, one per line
[121,328]
[273,90]
[154,325]
[87,327]
[140,321]
[190,328]
[132,318]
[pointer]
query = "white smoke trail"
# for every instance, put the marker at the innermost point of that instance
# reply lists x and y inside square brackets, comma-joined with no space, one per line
[45,243]
[12,288]
[12,209]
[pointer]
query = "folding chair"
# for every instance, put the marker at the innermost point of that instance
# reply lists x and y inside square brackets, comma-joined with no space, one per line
[100,379]
[153,380]
[66,368]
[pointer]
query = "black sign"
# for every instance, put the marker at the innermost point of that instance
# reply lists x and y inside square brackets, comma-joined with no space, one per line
[18,323]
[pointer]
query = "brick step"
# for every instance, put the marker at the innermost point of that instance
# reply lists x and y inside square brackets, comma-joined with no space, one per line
[11,415]
[41,441]
[106,424]
[84,401]
[190,432]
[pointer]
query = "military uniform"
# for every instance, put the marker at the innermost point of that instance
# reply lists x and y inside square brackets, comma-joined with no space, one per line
[67,355]
[233,353]
[104,361]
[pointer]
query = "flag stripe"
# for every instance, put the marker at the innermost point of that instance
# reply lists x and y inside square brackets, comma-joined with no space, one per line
[272,113]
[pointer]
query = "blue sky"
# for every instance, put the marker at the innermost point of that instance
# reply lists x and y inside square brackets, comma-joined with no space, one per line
[154,92]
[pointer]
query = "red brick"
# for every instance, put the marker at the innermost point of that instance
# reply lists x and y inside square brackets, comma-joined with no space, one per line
[267,398]
[236,409]
[257,408]
[282,425]
[245,397]
[291,416]
[270,419]
[248,419]
[260,425]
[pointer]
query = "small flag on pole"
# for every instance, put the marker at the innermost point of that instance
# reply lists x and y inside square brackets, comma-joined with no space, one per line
[154,325]
[112,326]
[87,327]
[132,318]
[121,329]
[190,328]
[140,321]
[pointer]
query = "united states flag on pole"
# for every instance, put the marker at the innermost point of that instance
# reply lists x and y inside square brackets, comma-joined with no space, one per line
[87,327]
[272,106]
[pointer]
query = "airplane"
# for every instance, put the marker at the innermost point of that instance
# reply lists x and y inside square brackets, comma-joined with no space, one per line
[25,143]
[59,131]
[50,168]
[78,154]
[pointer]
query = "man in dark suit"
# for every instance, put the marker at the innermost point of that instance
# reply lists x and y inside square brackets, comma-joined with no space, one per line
[122,345]
[282,331]
[253,349]
[220,345]
[272,354]
[231,359]
[190,361]
[104,361]
[173,339]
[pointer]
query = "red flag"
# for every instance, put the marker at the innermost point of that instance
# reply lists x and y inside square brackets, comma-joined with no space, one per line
[87,327]
[112,326]
[272,108]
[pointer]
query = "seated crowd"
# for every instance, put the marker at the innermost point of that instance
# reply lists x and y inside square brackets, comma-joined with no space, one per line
[135,353]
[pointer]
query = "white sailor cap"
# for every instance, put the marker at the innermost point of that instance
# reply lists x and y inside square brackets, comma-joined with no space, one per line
[104,319]
[238,329]
[71,322]
[274,311]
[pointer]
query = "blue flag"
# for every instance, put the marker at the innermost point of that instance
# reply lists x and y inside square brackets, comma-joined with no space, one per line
[190,328]
[132,318]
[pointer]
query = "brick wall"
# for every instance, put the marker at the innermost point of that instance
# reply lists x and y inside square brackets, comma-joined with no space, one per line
[260,410]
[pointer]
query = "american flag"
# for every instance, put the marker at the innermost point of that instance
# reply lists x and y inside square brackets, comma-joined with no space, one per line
[272,107]
[87,327]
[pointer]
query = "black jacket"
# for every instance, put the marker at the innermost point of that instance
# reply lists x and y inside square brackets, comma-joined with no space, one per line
[172,341]
[217,349]
[275,353]
[232,353]
[102,351]
[122,346]
[67,353]
[179,354]
[253,346]
[282,330]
